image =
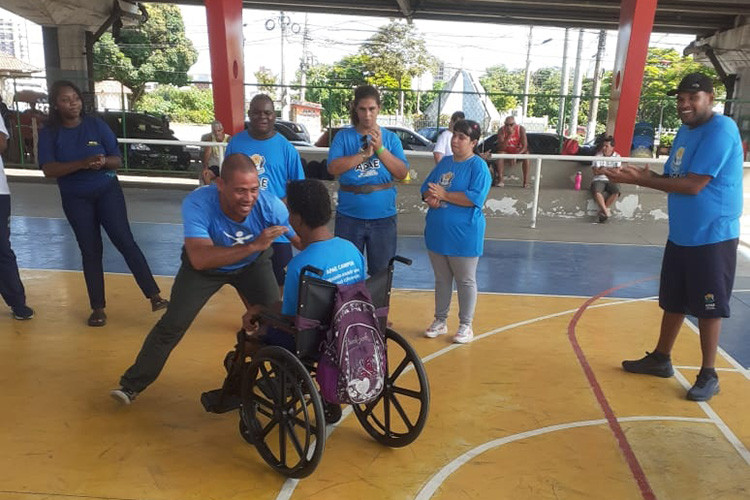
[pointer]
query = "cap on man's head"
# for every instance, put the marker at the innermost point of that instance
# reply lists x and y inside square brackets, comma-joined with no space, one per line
[694,82]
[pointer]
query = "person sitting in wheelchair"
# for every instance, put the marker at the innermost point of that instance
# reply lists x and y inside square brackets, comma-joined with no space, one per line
[310,210]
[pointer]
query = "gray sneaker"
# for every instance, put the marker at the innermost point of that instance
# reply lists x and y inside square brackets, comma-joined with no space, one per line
[124,396]
[706,385]
[650,364]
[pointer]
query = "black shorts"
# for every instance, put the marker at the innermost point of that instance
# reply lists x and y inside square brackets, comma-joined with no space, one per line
[605,186]
[698,280]
[282,254]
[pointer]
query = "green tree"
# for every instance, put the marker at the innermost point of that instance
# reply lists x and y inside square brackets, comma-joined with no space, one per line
[267,82]
[187,105]
[156,51]
[664,70]
[397,51]
[504,86]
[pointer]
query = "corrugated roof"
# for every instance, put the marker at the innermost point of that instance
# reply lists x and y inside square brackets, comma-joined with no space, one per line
[11,66]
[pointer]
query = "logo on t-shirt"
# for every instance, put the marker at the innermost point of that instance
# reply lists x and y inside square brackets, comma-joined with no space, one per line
[446,179]
[260,163]
[368,168]
[239,237]
[677,162]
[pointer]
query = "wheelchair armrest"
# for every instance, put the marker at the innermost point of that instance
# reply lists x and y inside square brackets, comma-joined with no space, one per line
[278,321]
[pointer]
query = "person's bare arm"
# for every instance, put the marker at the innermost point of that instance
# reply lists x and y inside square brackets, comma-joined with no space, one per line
[58,169]
[394,164]
[203,254]
[455,197]
[437,156]
[690,184]
[112,162]
[342,164]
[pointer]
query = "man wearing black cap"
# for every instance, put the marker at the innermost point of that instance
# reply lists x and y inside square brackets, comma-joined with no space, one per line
[703,177]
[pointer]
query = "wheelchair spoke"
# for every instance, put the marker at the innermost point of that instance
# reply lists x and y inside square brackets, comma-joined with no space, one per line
[401,412]
[269,427]
[399,369]
[406,392]
[295,440]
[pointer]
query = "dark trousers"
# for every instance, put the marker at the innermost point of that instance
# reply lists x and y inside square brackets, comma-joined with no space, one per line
[375,238]
[87,213]
[11,287]
[190,292]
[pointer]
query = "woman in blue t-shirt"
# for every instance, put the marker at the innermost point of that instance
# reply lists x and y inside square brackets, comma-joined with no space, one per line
[81,153]
[455,192]
[367,158]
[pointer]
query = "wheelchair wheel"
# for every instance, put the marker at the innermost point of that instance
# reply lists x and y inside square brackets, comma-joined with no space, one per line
[282,412]
[398,415]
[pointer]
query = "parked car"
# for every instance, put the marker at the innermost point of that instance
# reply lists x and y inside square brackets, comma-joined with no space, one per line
[432,133]
[134,125]
[544,143]
[410,140]
[294,132]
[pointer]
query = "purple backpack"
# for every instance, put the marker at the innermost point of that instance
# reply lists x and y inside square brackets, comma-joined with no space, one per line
[352,367]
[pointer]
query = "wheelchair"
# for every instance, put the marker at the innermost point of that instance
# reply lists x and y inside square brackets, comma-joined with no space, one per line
[281,410]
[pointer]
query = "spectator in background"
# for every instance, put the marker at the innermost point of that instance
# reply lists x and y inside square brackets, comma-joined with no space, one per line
[81,152]
[212,155]
[11,287]
[600,183]
[367,158]
[278,163]
[511,139]
[455,192]
[443,143]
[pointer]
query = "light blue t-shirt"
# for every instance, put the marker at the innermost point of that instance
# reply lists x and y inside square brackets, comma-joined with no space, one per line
[91,137]
[339,260]
[712,215]
[277,161]
[452,229]
[202,217]
[375,205]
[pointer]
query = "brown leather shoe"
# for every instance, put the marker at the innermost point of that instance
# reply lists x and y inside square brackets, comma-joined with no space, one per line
[97,318]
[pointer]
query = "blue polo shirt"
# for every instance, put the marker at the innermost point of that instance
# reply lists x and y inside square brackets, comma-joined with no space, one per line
[375,205]
[202,217]
[452,229]
[341,263]
[61,145]
[713,215]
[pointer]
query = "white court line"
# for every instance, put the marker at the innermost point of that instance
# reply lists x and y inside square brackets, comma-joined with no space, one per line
[429,489]
[66,220]
[723,428]
[661,245]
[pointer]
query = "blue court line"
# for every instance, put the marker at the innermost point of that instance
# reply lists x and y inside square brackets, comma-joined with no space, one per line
[507,266]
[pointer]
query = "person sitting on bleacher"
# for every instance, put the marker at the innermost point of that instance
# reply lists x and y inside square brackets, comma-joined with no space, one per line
[341,262]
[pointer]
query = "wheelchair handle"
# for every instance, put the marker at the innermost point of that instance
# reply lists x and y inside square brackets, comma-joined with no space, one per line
[311,269]
[400,259]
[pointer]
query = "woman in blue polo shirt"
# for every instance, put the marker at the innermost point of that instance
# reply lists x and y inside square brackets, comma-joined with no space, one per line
[81,153]
[455,192]
[367,158]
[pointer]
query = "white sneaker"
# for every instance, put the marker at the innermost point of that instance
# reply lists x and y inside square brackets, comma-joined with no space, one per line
[464,334]
[438,327]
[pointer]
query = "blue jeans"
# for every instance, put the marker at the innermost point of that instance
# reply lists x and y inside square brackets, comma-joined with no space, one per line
[105,207]
[376,237]
[11,287]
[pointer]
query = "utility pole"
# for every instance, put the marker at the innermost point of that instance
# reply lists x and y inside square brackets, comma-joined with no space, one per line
[306,61]
[591,129]
[527,75]
[286,26]
[563,85]
[577,85]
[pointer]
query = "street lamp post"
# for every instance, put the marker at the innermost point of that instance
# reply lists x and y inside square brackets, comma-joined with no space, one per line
[527,77]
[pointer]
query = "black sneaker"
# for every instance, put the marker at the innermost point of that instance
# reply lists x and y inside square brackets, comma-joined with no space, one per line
[651,364]
[22,312]
[706,385]
[124,396]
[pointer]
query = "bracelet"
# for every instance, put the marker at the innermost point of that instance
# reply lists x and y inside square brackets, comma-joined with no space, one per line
[380,150]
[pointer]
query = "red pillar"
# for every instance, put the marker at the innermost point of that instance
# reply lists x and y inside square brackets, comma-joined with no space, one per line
[224,20]
[636,23]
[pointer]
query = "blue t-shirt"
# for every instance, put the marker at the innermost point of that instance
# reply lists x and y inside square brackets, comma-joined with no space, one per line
[61,145]
[339,260]
[712,215]
[375,205]
[202,217]
[452,229]
[277,161]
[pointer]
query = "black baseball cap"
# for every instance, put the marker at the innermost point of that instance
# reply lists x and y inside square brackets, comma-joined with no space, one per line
[694,82]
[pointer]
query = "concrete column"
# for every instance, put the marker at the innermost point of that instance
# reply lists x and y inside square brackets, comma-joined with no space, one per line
[636,23]
[227,69]
[65,54]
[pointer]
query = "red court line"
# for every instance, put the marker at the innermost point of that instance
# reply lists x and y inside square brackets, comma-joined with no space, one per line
[614,425]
